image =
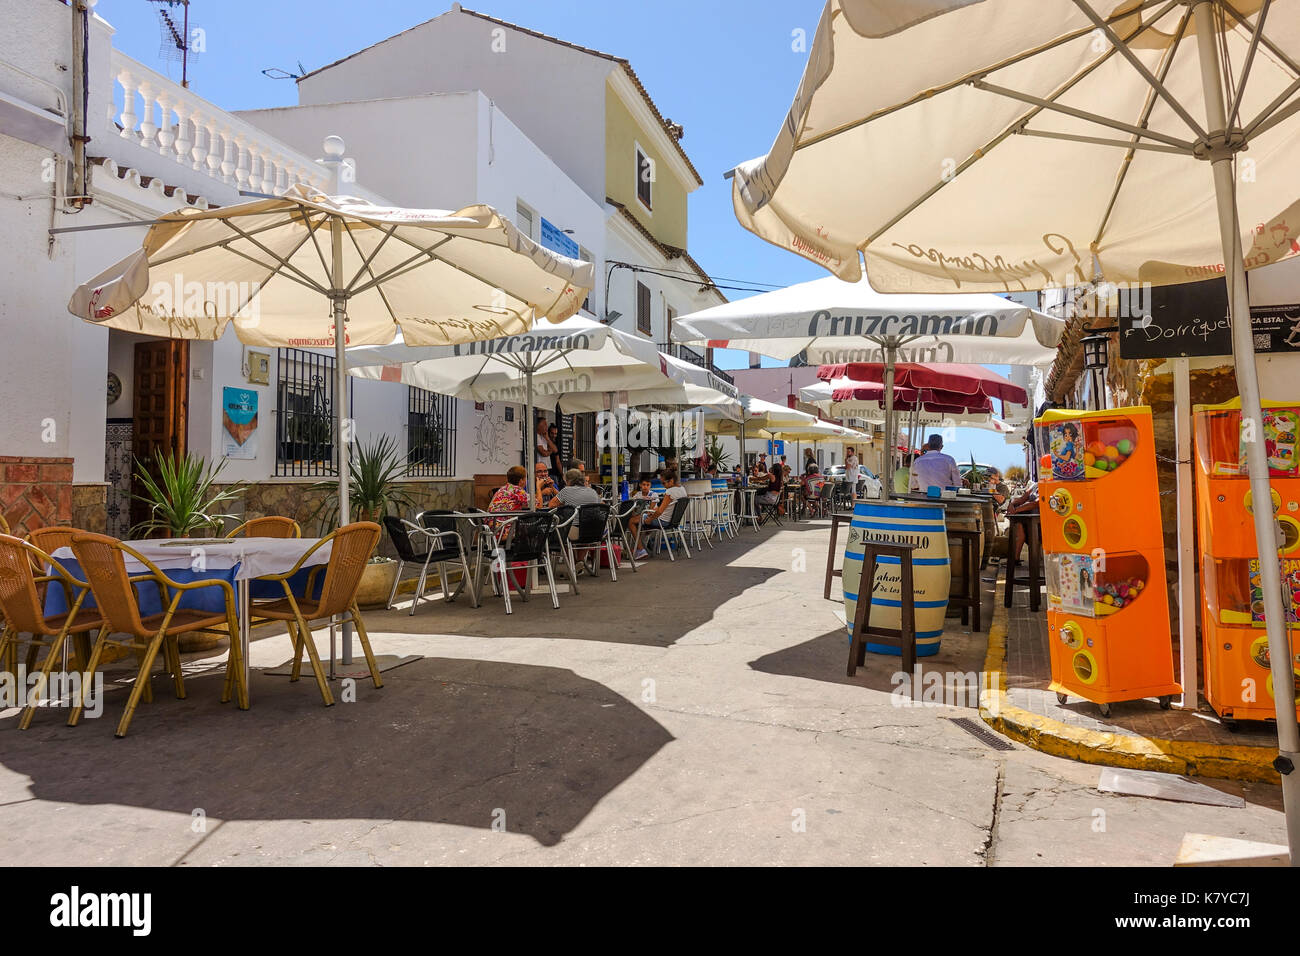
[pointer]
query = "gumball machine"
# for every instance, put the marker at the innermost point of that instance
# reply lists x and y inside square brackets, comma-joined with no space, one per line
[1238,682]
[1103,557]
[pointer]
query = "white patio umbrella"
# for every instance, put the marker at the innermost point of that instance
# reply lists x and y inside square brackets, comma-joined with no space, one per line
[832,321]
[314,271]
[1076,140]
[274,267]
[577,362]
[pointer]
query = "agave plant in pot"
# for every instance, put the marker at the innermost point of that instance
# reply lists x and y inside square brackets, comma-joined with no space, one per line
[183,495]
[375,470]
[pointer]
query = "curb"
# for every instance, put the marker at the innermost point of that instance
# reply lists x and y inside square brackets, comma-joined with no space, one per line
[1191,758]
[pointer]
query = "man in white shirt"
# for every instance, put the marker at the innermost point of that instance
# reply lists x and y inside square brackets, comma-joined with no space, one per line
[934,468]
[852,475]
[545,447]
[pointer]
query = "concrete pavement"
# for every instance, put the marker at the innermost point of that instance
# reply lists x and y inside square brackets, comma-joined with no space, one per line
[695,712]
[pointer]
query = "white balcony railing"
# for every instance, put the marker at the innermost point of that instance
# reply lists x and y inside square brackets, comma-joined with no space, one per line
[163,118]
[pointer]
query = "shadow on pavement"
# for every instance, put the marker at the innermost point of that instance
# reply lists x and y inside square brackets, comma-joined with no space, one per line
[654,607]
[473,743]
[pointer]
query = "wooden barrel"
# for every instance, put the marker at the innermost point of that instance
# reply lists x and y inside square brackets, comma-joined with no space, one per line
[963,514]
[922,525]
[989,525]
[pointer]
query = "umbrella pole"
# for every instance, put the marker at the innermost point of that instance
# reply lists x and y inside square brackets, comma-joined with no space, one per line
[530,442]
[1252,421]
[343,446]
[891,427]
[615,448]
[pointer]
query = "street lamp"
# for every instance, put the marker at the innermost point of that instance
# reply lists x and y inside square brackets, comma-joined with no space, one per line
[1095,362]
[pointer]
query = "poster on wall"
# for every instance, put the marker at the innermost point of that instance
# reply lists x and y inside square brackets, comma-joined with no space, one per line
[239,423]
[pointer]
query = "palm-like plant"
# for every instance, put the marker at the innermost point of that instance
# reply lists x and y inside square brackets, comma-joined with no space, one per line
[373,490]
[975,475]
[181,494]
[717,456]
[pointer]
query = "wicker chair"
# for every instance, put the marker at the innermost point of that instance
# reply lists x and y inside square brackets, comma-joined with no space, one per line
[23,578]
[271,526]
[52,537]
[103,561]
[49,539]
[351,547]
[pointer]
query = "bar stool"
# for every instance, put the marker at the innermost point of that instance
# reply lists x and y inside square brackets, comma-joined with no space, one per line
[902,637]
[967,595]
[1030,521]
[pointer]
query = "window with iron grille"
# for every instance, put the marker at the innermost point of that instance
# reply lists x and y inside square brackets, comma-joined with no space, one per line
[304,414]
[643,308]
[430,434]
[584,439]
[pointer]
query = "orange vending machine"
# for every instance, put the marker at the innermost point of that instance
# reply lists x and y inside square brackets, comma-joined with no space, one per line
[1103,556]
[1238,683]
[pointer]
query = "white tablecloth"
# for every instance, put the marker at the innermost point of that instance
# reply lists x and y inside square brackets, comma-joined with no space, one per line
[254,556]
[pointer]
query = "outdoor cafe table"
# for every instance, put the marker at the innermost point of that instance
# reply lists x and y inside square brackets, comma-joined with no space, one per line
[237,560]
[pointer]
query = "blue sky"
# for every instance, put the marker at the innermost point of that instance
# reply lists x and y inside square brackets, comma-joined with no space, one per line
[725,69]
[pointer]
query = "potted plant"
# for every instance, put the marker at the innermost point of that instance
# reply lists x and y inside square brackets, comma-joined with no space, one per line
[375,469]
[182,496]
[718,458]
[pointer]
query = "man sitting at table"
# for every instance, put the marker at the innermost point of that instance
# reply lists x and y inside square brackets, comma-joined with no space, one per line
[548,496]
[655,518]
[934,468]
[576,491]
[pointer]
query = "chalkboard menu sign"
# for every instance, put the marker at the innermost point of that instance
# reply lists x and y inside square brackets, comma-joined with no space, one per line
[565,436]
[1176,320]
[1192,319]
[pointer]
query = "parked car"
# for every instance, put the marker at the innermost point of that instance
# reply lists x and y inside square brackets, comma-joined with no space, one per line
[873,485]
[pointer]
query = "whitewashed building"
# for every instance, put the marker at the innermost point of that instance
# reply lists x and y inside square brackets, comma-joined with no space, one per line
[584,109]
[82,401]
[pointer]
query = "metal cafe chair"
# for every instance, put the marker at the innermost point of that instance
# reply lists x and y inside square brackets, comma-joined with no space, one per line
[522,539]
[565,516]
[619,519]
[438,546]
[270,526]
[672,528]
[592,522]
[350,549]
[103,561]
[26,571]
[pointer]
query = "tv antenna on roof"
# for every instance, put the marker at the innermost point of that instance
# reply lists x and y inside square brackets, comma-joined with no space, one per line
[175,42]
[276,73]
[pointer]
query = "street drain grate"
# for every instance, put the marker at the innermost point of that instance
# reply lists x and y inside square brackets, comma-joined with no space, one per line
[981,733]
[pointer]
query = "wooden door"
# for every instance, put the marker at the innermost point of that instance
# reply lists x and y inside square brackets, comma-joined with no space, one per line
[161,401]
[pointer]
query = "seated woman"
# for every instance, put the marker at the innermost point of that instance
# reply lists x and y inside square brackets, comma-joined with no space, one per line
[512,496]
[773,494]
